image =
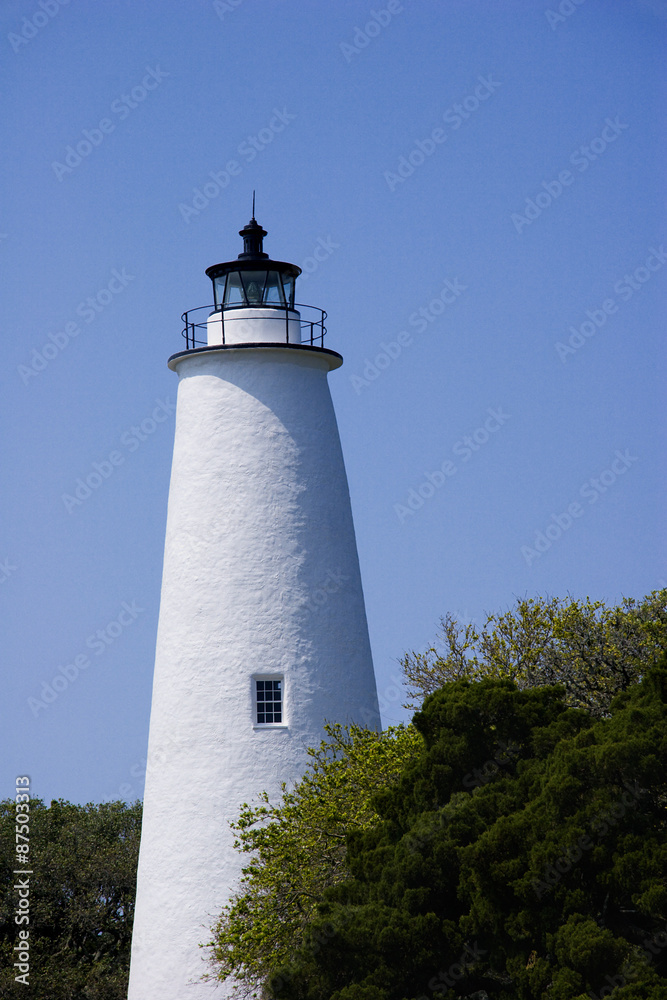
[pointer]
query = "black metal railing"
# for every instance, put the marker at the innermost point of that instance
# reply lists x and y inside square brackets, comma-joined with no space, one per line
[312,328]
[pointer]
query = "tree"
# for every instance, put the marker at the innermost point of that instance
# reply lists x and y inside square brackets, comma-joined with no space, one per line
[297,848]
[81,900]
[595,651]
[522,856]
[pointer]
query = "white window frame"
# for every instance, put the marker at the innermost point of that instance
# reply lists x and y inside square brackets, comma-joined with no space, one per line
[283,700]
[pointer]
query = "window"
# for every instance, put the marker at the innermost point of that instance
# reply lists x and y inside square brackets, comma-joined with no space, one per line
[268,702]
[254,288]
[288,283]
[273,293]
[234,295]
[253,283]
[219,291]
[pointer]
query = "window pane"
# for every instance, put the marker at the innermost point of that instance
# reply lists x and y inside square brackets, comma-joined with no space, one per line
[219,290]
[234,294]
[268,698]
[273,293]
[288,283]
[254,286]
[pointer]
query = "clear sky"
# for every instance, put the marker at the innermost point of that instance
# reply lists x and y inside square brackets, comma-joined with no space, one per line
[475,190]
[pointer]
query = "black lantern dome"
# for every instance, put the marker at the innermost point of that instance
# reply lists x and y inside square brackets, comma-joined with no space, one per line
[253,280]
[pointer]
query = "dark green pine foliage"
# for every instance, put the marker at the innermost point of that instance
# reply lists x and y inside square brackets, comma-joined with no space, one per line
[522,857]
[84,865]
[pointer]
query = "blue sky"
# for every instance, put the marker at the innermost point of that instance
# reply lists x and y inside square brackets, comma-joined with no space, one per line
[475,191]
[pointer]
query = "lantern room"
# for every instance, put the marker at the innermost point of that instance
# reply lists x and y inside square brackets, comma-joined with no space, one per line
[253,302]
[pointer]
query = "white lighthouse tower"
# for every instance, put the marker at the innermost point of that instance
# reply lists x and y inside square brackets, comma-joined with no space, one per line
[262,634]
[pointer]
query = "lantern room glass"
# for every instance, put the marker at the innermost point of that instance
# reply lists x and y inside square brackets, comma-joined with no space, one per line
[273,290]
[253,288]
[219,291]
[253,283]
[234,294]
[288,284]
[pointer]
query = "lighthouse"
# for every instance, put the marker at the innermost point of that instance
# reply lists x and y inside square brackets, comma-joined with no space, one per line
[262,634]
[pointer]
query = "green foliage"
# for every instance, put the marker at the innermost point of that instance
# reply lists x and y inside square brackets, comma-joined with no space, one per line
[593,650]
[541,878]
[84,863]
[298,848]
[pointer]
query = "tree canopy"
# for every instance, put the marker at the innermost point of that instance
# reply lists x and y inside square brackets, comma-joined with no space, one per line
[521,856]
[84,865]
[594,650]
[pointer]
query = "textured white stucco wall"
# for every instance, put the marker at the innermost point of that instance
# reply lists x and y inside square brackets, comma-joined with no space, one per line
[261,576]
